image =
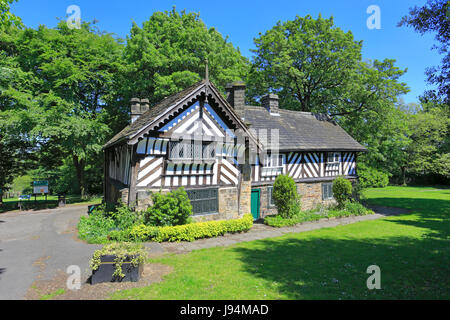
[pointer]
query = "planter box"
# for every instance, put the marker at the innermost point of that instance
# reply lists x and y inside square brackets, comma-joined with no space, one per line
[105,271]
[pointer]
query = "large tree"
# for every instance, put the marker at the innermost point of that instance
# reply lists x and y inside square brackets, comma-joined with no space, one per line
[316,67]
[168,53]
[72,96]
[434,17]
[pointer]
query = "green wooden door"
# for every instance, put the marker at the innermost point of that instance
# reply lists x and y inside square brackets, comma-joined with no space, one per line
[255,203]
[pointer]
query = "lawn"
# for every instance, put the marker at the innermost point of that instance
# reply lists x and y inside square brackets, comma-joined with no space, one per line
[412,251]
[51,202]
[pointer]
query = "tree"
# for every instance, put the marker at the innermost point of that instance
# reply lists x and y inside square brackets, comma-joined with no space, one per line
[316,67]
[307,62]
[71,104]
[6,17]
[434,16]
[168,54]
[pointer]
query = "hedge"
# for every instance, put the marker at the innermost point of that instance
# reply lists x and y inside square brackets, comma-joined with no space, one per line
[187,232]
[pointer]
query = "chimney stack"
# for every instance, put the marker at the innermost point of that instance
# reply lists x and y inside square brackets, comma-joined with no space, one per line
[270,102]
[138,108]
[236,94]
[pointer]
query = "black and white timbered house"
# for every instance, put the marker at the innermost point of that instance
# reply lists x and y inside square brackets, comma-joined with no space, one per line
[225,153]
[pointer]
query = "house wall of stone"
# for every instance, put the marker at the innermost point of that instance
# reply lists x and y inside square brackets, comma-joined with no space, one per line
[229,200]
[310,192]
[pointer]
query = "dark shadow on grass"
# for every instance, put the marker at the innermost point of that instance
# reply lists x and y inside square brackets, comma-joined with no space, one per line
[335,268]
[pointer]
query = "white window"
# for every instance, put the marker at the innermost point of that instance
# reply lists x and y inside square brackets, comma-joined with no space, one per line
[273,165]
[334,157]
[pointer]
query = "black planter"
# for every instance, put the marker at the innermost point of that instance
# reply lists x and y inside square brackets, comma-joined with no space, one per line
[107,267]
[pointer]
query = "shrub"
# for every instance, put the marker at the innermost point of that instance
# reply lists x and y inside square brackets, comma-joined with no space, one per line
[356,208]
[286,197]
[371,177]
[190,232]
[124,217]
[342,190]
[170,209]
[187,232]
[95,228]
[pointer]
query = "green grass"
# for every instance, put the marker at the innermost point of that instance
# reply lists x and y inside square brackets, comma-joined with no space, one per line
[50,296]
[11,204]
[412,251]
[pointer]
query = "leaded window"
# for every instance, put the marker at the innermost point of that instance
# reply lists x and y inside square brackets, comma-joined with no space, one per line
[272,165]
[203,201]
[270,201]
[327,191]
[190,150]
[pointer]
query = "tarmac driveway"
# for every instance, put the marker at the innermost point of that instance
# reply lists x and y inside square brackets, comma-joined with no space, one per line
[35,245]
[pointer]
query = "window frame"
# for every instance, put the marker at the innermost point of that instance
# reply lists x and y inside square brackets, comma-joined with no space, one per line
[190,147]
[335,159]
[327,191]
[208,198]
[270,202]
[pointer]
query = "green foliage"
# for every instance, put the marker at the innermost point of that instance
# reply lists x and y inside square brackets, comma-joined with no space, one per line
[434,17]
[124,217]
[286,197]
[95,228]
[121,251]
[187,232]
[371,177]
[170,209]
[168,54]
[6,17]
[342,190]
[349,208]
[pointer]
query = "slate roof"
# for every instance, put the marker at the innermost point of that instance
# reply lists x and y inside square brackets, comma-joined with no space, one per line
[300,131]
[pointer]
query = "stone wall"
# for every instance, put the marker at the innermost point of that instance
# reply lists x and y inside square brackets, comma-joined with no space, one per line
[228,202]
[310,192]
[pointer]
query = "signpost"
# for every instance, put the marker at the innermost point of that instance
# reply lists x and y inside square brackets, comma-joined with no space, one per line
[40,187]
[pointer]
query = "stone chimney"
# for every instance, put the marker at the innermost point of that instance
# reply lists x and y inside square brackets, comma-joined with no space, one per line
[270,102]
[236,94]
[138,108]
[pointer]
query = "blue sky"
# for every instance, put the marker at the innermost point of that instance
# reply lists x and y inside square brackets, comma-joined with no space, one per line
[243,20]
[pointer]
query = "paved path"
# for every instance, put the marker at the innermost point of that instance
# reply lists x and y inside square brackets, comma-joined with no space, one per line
[37,245]
[34,245]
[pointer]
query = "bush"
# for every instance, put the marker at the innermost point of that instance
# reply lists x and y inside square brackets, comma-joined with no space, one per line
[371,177]
[95,228]
[124,217]
[342,190]
[187,232]
[170,209]
[356,208]
[286,197]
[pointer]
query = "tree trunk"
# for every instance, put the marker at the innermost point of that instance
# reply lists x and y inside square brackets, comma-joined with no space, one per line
[79,166]
[404,176]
